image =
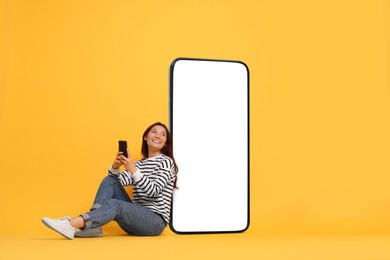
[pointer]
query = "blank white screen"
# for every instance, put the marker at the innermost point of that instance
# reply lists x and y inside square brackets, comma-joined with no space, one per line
[209,122]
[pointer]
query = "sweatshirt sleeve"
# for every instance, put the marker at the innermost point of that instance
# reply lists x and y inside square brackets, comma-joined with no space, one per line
[153,186]
[124,177]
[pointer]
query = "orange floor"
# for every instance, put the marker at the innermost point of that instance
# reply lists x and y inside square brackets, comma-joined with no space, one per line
[249,245]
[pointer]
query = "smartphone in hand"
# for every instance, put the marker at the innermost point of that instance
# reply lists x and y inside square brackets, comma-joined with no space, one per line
[123,147]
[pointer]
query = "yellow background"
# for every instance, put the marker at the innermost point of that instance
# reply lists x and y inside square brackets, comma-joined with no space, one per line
[76,76]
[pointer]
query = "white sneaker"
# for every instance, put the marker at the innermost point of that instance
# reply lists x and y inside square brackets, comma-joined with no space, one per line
[61,226]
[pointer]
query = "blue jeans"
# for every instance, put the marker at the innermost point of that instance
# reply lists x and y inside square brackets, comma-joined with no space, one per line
[113,203]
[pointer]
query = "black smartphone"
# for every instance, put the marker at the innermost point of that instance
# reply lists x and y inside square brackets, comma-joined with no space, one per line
[123,147]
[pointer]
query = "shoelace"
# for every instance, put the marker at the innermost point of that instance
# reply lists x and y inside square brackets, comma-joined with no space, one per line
[64,219]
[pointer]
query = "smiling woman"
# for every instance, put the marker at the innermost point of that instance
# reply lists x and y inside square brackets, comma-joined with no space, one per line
[153,179]
[155,139]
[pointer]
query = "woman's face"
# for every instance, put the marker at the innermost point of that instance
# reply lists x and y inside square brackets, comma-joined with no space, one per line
[156,138]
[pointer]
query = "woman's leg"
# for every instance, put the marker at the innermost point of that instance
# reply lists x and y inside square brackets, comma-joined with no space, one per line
[110,188]
[132,218]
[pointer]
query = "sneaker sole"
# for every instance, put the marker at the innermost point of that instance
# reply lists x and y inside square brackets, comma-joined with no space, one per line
[86,234]
[52,228]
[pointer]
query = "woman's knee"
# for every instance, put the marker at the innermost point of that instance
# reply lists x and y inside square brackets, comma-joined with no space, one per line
[110,179]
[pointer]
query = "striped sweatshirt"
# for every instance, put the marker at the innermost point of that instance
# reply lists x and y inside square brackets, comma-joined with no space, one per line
[152,183]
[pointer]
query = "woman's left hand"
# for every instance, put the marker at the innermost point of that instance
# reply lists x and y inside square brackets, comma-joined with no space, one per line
[128,162]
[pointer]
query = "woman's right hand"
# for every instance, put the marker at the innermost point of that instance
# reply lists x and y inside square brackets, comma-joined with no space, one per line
[117,163]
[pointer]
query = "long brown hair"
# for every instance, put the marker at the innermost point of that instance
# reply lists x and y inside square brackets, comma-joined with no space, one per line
[166,150]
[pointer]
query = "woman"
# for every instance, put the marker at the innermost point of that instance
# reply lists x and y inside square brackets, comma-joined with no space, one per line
[153,179]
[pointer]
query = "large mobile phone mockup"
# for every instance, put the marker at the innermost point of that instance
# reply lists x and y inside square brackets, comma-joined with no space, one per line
[209,121]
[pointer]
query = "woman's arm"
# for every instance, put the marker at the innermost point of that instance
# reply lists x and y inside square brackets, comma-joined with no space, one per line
[124,177]
[162,175]
[152,187]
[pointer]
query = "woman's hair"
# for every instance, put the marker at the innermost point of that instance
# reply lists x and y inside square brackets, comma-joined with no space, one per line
[167,149]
